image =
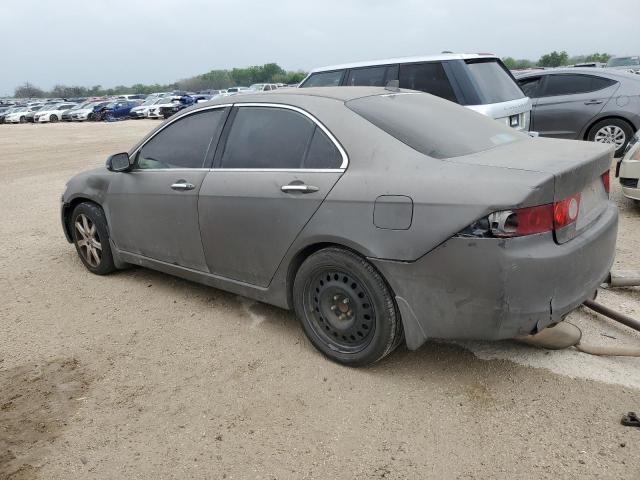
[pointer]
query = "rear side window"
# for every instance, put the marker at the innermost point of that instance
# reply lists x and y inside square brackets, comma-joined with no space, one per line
[183,144]
[367,77]
[267,137]
[493,82]
[324,79]
[530,86]
[433,127]
[426,77]
[322,152]
[571,84]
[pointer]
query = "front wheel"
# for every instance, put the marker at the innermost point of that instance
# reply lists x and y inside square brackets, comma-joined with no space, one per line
[346,308]
[53,118]
[91,238]
[23,119]
[613,131]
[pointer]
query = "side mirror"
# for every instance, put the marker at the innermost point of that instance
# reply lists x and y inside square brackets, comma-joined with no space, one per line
[119,162]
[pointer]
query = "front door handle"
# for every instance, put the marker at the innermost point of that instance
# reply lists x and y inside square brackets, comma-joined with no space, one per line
[594,102]
[183,185]
[300,188]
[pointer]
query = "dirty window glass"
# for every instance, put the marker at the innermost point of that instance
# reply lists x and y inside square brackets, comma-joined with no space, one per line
[183,144]
[569,84]
[432,126]
[322,152]
[266,137]
[530,86]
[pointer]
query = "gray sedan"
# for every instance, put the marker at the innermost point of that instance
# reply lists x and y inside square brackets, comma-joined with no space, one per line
[376,215]
[600,105]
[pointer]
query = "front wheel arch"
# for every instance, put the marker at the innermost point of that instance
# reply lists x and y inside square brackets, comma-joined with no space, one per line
[67,210]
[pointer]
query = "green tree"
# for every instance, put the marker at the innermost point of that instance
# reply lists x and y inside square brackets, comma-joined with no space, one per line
[554,59]
[513,64]
[28,90]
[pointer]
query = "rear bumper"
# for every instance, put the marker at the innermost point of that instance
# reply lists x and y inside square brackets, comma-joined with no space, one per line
[629,170]
[492,289]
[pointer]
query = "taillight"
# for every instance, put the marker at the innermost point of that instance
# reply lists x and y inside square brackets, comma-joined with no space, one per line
[532,220]
[606,181]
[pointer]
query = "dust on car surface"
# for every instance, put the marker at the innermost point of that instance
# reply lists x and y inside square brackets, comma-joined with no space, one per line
[180,380]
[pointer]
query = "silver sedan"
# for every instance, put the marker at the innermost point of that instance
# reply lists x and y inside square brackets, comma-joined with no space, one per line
[379,216]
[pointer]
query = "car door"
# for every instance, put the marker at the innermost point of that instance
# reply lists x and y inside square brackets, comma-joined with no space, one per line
[270,175]
[153,209]
[567,103]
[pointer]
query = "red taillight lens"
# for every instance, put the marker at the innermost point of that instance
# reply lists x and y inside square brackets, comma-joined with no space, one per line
[606,181]
[532,220]
[565,212]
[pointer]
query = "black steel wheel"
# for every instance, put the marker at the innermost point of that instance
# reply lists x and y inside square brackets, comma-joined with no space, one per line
[346,308]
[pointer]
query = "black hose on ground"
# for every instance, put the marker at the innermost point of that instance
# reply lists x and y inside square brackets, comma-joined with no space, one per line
[617,316]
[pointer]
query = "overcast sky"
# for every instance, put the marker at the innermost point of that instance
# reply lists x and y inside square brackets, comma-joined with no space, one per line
[114,42]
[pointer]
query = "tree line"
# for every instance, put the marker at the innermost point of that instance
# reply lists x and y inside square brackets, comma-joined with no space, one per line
[215,79]
[555,59]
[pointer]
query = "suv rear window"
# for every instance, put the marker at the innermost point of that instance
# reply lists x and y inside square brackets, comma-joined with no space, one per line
[324,79]
[432,126]
[494,83]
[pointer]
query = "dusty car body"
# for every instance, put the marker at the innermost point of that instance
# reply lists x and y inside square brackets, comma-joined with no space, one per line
[446,222]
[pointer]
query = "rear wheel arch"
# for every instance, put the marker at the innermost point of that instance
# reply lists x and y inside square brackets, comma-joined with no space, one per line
[587,130]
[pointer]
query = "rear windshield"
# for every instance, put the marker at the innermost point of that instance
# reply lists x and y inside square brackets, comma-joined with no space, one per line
[433,126]
[493,82]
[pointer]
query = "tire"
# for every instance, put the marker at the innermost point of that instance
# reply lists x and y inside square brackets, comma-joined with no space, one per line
[23,119]
[612,130]
[346,308]
[53,118]
[84,218]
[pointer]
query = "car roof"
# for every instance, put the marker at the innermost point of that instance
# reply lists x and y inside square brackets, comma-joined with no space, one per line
[602,72]
[423,58]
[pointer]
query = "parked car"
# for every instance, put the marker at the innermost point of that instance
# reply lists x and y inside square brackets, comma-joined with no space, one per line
[51,113]
[625,63]
[142,110]
[170,101]
[67,114]
[184,102]
[261,87]
[235,90]
[473,230]
[18,115]
[91,111]
[119,109]
[584,104]
[628,169]
[212,92]
[479,82]
[34,109]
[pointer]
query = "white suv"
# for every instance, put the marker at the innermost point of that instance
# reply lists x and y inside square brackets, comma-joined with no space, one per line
[480,82]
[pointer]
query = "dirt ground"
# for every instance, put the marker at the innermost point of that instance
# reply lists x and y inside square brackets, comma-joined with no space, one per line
[139,375]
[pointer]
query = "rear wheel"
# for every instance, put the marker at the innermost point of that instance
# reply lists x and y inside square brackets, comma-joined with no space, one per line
[23,119]
[346,308]
[91,238]
[613,131]
[53,118]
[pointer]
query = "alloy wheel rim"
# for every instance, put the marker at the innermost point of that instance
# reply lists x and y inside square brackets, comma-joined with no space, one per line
[340,310]
[88,240]
[611,134]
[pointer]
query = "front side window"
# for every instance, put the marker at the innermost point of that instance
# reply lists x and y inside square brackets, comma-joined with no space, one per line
[426,77]
[570,84]
[367,77]
[182,144]
[324,79]
[267,137]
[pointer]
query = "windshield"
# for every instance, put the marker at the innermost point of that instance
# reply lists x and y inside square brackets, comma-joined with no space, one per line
[433,126]
[624,62]
[257,86]
[150,101]
[493,81]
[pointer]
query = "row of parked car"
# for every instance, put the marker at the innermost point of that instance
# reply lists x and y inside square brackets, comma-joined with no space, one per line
[156,105]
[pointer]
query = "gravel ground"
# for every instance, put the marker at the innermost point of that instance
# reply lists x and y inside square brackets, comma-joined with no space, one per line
[139,375]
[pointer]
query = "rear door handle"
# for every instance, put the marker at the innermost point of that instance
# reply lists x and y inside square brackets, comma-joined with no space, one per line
[300,188]
[594,102]
[183,185]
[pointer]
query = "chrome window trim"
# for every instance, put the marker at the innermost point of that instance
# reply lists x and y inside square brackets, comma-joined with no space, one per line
[343,153]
